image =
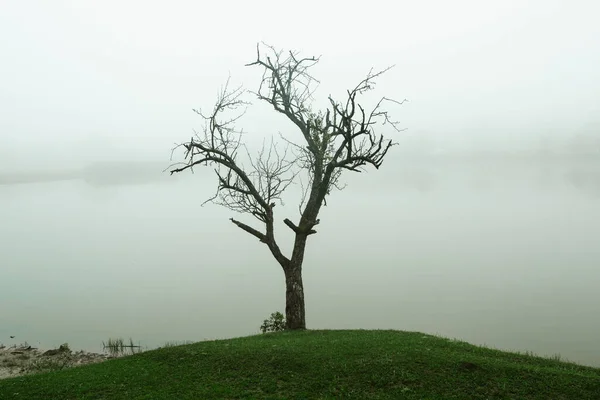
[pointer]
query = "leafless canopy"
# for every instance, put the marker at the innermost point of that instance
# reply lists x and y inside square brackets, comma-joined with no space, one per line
[341,137]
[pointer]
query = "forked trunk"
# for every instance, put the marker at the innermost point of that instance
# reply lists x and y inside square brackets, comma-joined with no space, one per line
[295,315]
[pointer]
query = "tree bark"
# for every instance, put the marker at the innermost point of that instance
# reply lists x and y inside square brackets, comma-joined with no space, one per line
[295,314]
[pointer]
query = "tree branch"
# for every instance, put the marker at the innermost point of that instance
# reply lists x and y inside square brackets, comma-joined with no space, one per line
[341,137]
[260,236]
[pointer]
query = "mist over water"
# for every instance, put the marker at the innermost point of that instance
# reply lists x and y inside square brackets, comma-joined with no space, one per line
[507,259]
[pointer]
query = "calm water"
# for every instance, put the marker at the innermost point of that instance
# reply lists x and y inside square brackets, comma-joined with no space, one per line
[509,260]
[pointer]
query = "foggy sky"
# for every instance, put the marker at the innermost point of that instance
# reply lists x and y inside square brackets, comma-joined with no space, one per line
[84,81]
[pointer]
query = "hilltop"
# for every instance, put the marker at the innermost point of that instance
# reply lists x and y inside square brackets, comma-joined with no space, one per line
[317,365]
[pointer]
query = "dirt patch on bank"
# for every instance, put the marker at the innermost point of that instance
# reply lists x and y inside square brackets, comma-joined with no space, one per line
[19,360]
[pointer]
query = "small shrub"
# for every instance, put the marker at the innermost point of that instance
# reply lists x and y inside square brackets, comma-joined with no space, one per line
[275,323]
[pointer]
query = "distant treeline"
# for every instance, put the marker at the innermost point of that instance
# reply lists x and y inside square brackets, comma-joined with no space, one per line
[100,173]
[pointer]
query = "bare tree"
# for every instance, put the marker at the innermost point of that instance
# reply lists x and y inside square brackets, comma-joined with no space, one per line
[339,138]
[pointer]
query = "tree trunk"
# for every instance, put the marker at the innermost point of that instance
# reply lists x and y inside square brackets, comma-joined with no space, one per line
[295,315]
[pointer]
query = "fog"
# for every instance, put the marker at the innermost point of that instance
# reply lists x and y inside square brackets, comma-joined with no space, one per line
[482,224]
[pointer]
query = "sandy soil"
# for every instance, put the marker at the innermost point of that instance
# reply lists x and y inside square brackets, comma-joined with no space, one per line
[18,360]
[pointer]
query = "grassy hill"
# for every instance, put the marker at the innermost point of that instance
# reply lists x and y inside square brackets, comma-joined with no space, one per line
[317,365]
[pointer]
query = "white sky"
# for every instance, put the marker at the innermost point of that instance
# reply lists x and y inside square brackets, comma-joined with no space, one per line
[123,76]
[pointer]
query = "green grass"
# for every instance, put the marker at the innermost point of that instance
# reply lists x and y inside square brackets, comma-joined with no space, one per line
[317,365]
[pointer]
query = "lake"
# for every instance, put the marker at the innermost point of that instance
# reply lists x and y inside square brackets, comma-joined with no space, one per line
[498,254]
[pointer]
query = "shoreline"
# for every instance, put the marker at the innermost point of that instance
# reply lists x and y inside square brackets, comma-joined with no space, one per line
[23,359]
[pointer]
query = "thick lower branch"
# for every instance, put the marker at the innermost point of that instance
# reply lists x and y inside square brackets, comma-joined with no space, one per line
[268,239]
[291,225]
[261,236]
